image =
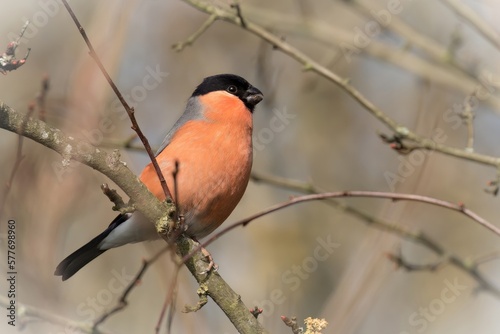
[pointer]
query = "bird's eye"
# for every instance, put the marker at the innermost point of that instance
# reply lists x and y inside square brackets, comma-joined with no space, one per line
[232,89]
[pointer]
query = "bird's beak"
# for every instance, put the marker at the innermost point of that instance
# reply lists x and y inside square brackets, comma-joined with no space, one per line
[252,97]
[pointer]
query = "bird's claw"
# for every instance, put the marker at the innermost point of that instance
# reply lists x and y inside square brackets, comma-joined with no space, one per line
[211,264]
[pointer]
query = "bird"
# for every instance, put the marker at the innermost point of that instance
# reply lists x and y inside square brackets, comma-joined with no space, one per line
[212,144]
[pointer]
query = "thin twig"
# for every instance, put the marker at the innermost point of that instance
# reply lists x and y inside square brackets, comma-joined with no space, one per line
[363,194]
[493,256]
[179,46]
[170,298]
[415,38]
[122,303]
[237,6]
[175,173]
[42,98]
[468,267]
[401,262]
[468,116]
[130,111]
[119,204]
[476,21]
[127,144]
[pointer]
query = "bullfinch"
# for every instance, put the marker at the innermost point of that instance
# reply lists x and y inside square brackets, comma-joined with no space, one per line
[212,142]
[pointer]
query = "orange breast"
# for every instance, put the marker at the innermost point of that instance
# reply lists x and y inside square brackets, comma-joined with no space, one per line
[215,159]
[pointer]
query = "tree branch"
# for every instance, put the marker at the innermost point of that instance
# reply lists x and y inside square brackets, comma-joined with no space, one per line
[130,111]
[123,302]
[179,46]
[476,21]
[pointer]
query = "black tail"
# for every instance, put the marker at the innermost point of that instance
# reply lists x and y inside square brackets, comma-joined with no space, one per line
[82,256]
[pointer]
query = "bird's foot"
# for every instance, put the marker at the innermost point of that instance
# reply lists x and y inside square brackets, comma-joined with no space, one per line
[211,264]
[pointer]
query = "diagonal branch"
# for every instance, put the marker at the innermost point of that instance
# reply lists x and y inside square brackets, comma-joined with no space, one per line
[130,111]
[179,46]
[123,302]
[476,21]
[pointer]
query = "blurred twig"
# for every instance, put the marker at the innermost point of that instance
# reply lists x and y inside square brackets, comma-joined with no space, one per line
[476,21]
[170,299]
[122,302]
[42,98]
[130,111]
[414,38]
[468,267]
[127,144]
[487,258]
[179,46]
[26,313]
[401,262]
[468,117]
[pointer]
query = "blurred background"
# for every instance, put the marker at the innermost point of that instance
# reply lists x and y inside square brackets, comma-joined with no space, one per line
[416,60]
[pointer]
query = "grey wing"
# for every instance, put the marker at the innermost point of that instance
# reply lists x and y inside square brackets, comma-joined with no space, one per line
[193,111]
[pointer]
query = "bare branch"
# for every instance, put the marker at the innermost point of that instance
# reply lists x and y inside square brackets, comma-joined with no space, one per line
[122,302]
[401,262]
[130,111]
[468,116]
[42,98]
[476,21]
[179,46]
